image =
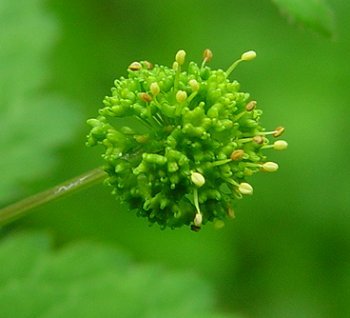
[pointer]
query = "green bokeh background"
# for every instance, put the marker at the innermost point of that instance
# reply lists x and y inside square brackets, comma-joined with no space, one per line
[287,253]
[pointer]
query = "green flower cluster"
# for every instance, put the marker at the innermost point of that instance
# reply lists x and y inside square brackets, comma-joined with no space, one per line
[199,139]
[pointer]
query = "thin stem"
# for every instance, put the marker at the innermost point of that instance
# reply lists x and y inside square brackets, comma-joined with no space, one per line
[21,208]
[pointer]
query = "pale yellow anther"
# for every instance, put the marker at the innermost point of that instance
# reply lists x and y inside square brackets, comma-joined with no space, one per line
[154,88]
[269,166]
[198,219]
[180,57]
[245,188]
[194,85]
[197,179]
[248,56]
[280,145]
[181,96]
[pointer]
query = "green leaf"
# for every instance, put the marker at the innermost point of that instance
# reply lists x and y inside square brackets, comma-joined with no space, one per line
[33,121]
[313,14]
[91,280]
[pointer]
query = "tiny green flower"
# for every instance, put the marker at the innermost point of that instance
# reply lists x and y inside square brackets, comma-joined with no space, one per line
[193,123]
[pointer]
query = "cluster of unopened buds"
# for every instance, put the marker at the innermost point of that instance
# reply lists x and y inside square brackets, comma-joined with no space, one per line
[197,140]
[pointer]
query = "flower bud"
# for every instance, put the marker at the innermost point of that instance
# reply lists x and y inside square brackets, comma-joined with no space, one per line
[280,145]
[154,88]
[269,166]
[175,66]
[197,179]
[245,188]
[181,96]
[180,57]
[248,56]
[194,85]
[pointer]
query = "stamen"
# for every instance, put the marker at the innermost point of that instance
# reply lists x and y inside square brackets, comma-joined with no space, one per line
[279,131]
[237,154]
[198,219]
[258,139]
[245,188]
[247,56]
[145,97]
[280,145]
[269,166]
[250,106]
[207,56]
[135,66]
[277,145]
[198,179]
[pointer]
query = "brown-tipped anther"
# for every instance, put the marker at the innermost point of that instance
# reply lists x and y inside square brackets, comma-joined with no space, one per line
[258,139]
[135,66]
[237,154]
[207,55]
[279,131]
[145,97]
[148,65]
[250,106]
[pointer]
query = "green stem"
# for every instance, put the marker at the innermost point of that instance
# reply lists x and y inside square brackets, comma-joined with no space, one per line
[21,208]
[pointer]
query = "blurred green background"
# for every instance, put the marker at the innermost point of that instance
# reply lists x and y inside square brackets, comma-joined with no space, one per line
[287,253]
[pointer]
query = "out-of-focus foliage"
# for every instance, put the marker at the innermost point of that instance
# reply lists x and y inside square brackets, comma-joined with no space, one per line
[287,253]
[313,14]
[91,280]
[33,121]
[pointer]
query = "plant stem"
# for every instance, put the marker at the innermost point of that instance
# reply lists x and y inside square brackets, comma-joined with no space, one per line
[21,208]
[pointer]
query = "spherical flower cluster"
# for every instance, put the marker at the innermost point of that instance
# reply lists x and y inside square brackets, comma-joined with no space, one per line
[197,141]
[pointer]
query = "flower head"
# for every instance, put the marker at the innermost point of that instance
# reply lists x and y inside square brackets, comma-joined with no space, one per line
[199,138]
